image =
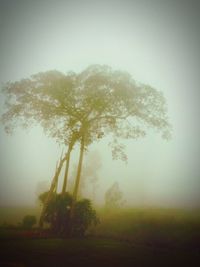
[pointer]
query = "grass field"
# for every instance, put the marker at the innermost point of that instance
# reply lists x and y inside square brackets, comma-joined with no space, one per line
[159,227]
[130,237]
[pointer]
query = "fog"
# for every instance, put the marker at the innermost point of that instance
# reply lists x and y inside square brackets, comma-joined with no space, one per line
[157,42]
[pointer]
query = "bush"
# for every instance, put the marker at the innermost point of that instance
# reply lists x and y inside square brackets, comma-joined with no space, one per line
[57,215]
[84,216]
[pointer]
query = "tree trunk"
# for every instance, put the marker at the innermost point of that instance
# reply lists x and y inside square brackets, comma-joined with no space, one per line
[66,170]
[78,176]
[76,187]
[52,188]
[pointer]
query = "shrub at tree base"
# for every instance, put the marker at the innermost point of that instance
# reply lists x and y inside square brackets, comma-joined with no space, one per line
[84,216]
[58,215]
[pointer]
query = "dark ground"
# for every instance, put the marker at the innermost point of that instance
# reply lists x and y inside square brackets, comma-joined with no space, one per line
[24,250]
[129,237]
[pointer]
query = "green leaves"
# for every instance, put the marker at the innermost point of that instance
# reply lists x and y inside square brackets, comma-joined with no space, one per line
[57,214]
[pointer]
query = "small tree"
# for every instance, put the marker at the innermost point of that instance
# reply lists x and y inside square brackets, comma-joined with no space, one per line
[91,171]
[114,197]
[90,175]
[29,221]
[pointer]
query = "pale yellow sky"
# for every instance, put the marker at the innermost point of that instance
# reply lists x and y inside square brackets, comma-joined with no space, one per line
[156,41]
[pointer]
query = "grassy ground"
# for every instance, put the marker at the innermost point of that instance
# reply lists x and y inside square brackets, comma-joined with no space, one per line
[155,227]
[131,237]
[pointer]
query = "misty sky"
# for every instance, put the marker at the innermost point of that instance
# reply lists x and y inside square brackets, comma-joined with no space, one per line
[157,42]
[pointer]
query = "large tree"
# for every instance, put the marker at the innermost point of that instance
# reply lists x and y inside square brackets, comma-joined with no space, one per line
[111,102]
[84,107]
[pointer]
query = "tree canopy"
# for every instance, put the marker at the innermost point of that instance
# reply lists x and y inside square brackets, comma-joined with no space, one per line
[95,102]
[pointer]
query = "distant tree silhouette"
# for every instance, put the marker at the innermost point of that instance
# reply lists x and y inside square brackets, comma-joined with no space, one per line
[114,197]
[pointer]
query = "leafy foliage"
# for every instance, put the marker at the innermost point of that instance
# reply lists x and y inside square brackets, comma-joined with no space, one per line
[93,103]
[84,216]
[57,214]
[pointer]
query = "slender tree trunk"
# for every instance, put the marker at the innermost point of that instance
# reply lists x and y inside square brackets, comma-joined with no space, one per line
[66,170]
[52,188]
[78,176]
[76,187]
